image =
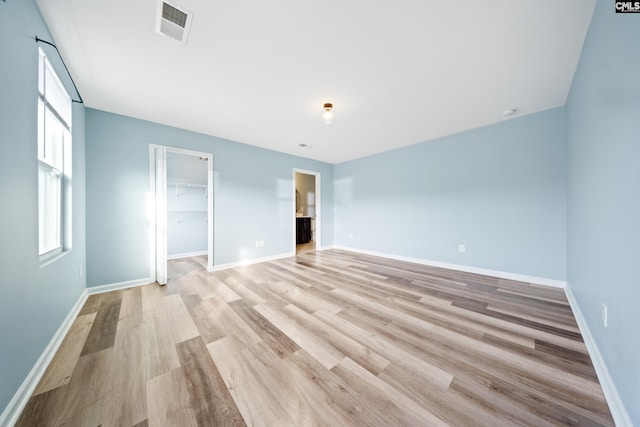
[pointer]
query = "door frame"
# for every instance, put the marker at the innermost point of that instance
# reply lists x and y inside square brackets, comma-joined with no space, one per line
[157,208]
[318,222]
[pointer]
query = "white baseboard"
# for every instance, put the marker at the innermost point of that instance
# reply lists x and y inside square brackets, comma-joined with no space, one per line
[117,286]
[18,402]
[467,269]
[187,255]
[13,410]
[616,406]
[251,261]
[15,407]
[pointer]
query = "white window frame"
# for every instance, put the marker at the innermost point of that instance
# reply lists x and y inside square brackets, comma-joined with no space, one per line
[54,160]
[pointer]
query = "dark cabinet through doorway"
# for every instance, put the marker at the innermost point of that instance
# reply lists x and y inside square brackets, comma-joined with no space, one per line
[303,230]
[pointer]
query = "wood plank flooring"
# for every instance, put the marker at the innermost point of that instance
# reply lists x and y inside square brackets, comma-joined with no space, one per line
[326,338]
[305,247]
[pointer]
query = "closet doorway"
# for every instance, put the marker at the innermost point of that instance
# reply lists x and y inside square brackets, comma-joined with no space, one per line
[181,185]
[307,223]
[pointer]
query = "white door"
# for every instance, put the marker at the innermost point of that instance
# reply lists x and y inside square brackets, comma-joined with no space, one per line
[161,215]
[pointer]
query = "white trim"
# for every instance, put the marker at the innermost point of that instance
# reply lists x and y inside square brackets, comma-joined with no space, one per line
[151,211]
[92,290]
[161,215]
[251,261]
[210,219]
[15,407]
[616,406]
[467,269]
[187,254]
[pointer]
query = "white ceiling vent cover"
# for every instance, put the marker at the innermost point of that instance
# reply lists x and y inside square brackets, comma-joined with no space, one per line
[173,21]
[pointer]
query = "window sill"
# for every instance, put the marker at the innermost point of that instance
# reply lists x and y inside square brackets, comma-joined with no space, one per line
[52,256]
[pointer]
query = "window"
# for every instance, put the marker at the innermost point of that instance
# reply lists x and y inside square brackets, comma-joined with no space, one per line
[54,161]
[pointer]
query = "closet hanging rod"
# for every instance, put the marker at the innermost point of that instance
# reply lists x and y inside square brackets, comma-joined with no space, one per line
[39,40]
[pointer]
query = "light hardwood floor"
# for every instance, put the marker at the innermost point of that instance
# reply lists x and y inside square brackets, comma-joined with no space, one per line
[324,338]
[305,247]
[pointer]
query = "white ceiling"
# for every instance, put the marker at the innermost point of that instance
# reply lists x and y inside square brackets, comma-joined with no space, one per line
[258,72]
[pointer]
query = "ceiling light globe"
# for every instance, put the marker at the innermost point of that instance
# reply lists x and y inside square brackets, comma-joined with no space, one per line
[327,115]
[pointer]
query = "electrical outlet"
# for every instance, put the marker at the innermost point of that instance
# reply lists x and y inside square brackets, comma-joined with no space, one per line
[257,243]
[261,243]
[351,236]
[80,271]
[605,315]
[462,248]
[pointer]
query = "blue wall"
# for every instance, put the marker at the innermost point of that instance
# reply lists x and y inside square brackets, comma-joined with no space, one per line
[603,124]
[253,196]
[34,301]
[500,190]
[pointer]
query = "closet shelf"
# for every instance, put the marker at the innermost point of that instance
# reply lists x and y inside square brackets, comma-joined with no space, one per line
[186,184]
[182,213]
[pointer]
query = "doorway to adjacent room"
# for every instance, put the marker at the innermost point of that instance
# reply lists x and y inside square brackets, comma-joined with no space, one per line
[187,210]
[306,210]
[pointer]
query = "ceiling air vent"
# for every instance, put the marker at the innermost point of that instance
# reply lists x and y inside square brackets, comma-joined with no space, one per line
[174,21]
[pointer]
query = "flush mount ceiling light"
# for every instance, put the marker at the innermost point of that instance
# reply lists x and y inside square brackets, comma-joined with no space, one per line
[327,115]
